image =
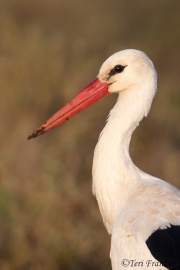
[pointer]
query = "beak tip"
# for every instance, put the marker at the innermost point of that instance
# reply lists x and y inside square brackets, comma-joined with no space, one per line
[36,133]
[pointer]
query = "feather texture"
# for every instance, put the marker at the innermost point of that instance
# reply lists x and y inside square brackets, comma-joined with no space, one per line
[133,204]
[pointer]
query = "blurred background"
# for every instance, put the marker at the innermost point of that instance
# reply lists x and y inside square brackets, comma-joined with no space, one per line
[49,50]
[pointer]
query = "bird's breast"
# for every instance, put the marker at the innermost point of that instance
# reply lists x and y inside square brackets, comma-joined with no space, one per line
[111,194]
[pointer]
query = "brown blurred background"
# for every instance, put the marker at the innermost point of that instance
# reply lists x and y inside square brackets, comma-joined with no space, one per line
[49,50]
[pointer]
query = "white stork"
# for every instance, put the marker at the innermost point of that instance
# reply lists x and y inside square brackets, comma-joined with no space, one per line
[140,211]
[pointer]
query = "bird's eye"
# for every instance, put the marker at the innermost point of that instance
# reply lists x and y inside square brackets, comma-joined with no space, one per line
[116,69]
[119,68]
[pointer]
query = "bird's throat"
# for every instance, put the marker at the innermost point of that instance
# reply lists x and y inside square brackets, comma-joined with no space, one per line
[114,174]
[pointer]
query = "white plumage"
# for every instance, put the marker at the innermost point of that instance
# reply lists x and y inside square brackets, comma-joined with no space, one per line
[133,204]
[140,211]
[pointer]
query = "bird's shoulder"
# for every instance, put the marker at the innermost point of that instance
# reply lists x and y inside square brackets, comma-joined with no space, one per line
[151,205]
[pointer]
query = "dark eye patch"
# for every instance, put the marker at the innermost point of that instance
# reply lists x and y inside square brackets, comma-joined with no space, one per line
[116,69]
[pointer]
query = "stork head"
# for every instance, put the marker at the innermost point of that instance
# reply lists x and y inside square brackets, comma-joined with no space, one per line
[123,71]
[126,69]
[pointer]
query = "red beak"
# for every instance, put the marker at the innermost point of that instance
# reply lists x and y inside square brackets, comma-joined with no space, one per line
[89,95]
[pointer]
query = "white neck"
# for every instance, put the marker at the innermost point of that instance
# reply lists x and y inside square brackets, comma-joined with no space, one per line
[114,174]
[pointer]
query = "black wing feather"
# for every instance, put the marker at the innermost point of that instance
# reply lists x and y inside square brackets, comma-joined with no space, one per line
[164,245]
